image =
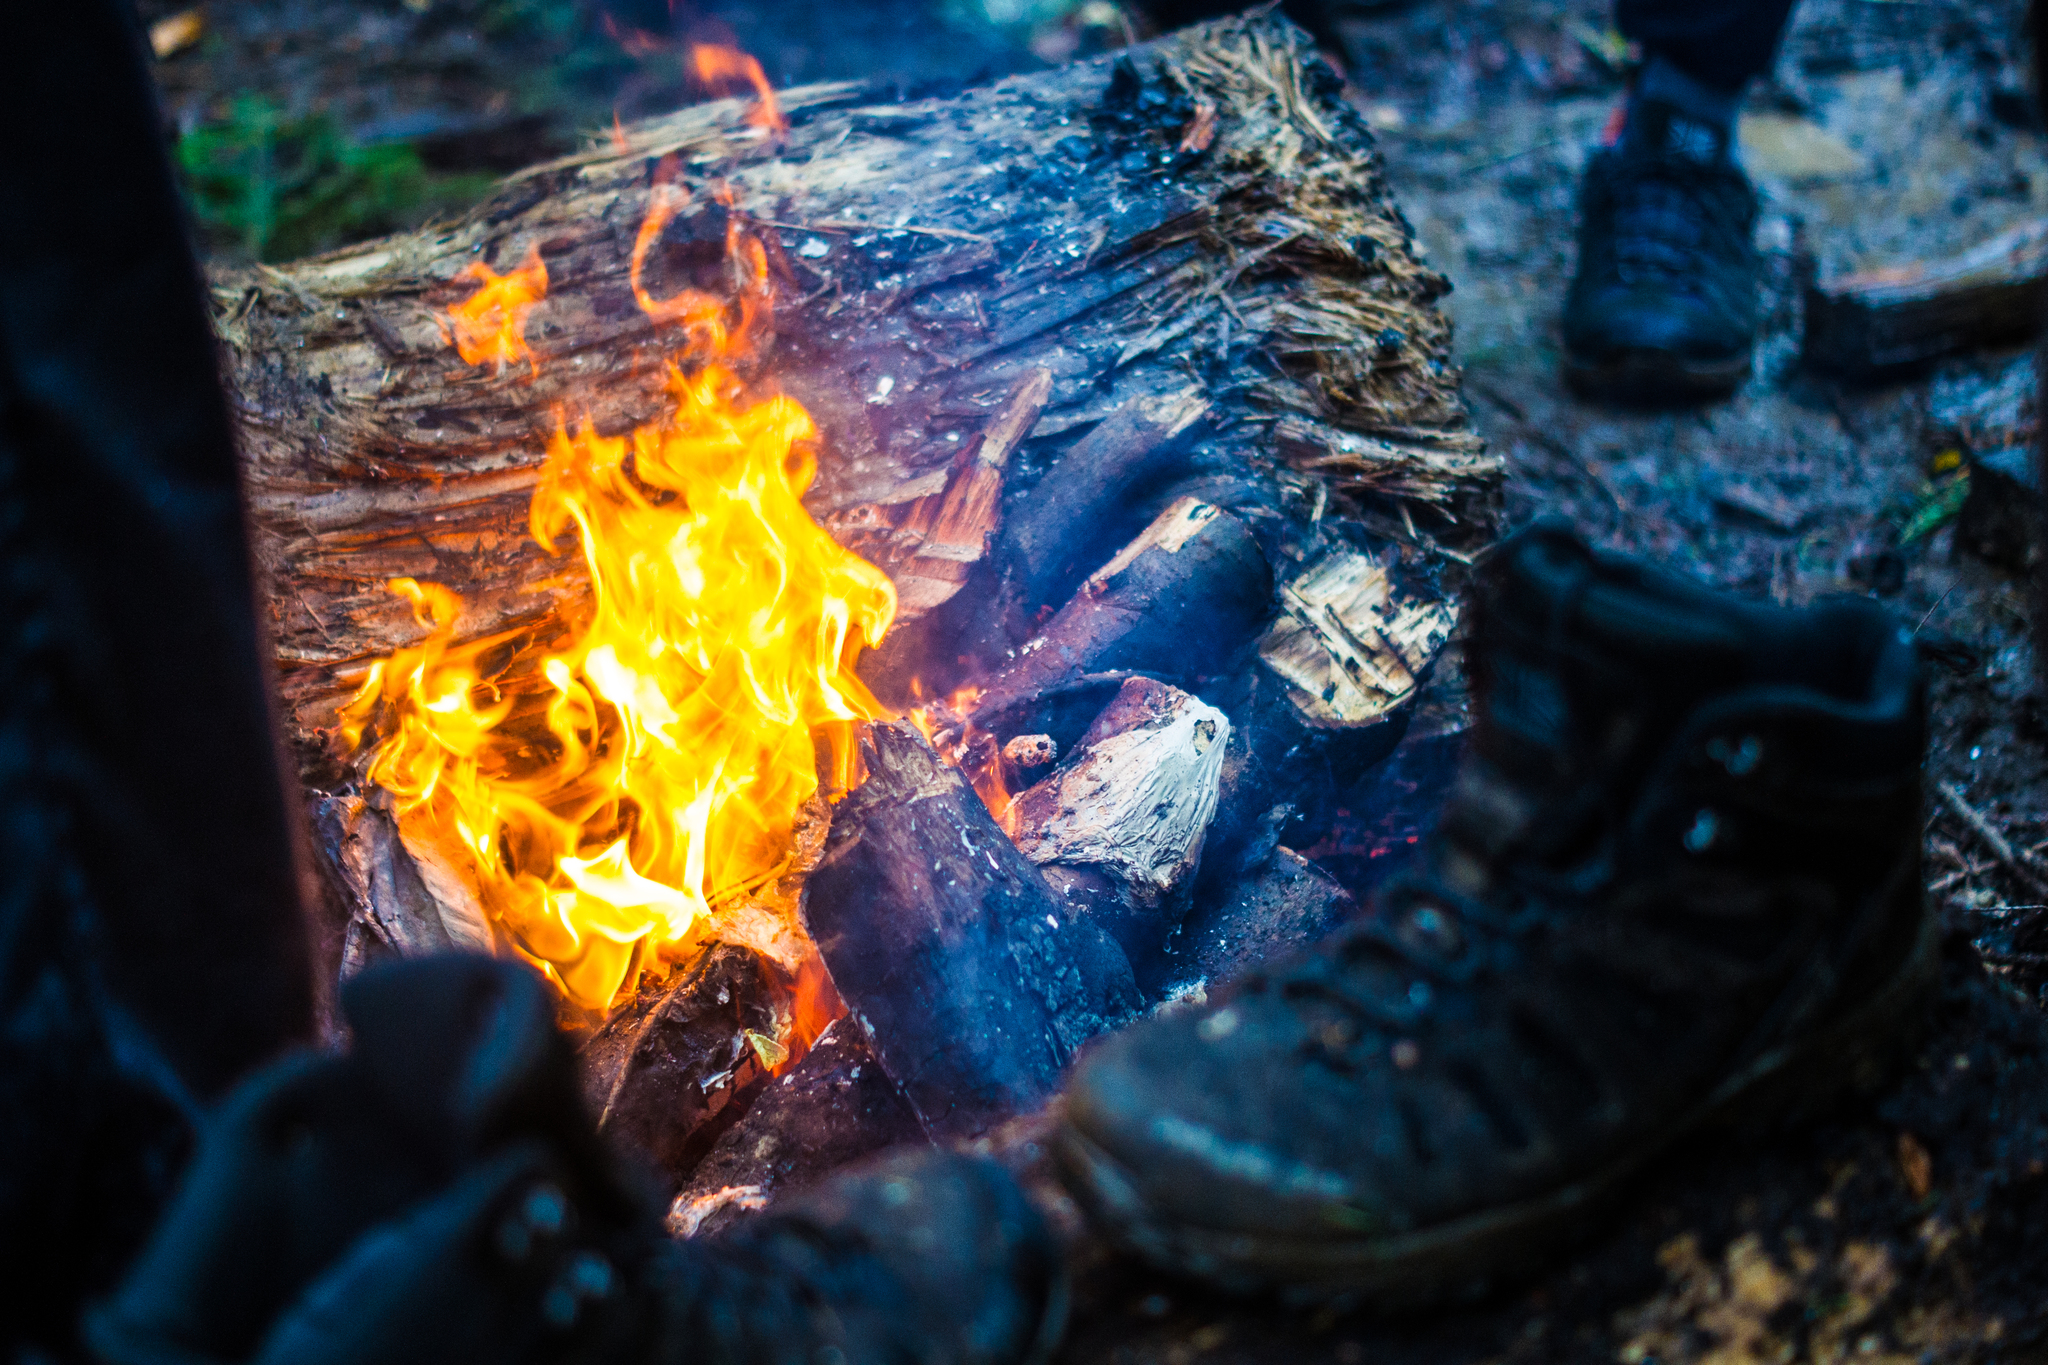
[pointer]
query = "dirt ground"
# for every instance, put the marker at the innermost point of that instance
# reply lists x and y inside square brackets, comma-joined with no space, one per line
[1905,1226]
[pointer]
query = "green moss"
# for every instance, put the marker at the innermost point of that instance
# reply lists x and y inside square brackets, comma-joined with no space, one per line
[273,186]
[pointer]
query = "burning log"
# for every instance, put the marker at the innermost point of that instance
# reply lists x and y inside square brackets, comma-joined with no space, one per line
[971,980]
[836,1105]
[1055,537]
[1161,300]
[1117,831]
[395,906]
[932,257]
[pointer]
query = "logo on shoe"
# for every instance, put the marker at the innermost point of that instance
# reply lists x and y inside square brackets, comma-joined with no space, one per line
[1691,139]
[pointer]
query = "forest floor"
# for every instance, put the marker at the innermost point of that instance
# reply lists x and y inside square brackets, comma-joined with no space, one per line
[1902,1227]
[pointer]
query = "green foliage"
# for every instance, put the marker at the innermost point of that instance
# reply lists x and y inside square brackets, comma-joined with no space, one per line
[274,186]
[1937,505]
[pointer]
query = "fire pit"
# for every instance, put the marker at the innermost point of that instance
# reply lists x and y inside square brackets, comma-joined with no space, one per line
[865,595]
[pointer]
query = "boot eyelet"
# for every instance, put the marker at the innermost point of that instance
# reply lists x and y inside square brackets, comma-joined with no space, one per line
[1706,827]
[1738,757]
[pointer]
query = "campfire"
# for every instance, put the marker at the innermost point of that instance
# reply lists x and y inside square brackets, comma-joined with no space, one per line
[865,596]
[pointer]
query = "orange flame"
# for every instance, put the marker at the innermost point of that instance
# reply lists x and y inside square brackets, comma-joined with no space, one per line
[721,67]
[489,327]
[964,745]
[617,786]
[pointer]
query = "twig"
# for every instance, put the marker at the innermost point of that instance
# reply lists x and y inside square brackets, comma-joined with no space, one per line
[1982,827]
[1931,610]
[1512,156]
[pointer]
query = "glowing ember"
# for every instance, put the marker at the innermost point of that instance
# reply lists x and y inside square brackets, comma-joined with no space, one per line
[489,327]
[976,752]
[617,787]
[722,67]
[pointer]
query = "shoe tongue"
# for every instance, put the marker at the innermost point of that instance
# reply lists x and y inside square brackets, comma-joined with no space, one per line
[1577,649]
[1655,128]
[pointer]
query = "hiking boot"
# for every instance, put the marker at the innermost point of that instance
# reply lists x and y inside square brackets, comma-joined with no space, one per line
[1664,306]
[1677,882]
[452,1203]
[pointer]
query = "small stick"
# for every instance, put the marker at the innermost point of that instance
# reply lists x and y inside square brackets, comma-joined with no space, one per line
[1982,827]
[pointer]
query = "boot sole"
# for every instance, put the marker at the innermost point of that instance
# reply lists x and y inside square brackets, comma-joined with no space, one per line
[1467,1257]
[1651,378]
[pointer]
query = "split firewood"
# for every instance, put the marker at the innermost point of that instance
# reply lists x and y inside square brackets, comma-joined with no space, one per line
[1337,675]
[1182,599]
[929,545]
[391,894]
[1057,534]
[971,981]
[670,1070]
[1868,322]
[836,1105]
[1117,830]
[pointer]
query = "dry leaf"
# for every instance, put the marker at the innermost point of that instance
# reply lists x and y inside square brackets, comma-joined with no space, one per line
[168,37]
[1916,1168]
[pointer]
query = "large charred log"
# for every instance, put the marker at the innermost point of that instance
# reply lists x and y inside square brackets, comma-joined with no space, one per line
[931,259]
[971,980]
[1163,291]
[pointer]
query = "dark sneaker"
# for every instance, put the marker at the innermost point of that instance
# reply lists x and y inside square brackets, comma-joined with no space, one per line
[1664,306]
[1677,882]
[450,1204]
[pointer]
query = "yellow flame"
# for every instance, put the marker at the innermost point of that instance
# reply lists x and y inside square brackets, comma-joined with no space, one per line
[721,67]
[612,780]
[489,327]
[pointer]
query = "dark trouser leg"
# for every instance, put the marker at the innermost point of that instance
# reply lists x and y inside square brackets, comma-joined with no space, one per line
[151,945]
[1720,43]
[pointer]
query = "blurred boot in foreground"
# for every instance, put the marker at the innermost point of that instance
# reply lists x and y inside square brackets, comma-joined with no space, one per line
[1677,884]
[437,1195]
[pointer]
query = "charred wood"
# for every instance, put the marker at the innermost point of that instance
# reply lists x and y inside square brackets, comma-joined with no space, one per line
[1049,225]
[1336,678]
[669,1072]
[972,982]
[1058,533]
[834,1106]
[1276,908]
[1181,601]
